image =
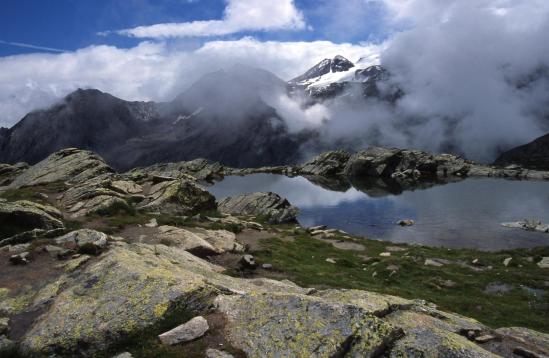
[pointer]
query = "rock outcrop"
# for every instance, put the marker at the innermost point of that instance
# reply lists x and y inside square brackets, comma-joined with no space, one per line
[9,172]
[72,165]
[25,217]
[200,169]
[177,197]
[268,205]
[327,164]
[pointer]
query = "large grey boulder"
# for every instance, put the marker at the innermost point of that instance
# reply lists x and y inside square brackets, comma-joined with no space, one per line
[268,205]
[25,216]
[72,165]
[177,197]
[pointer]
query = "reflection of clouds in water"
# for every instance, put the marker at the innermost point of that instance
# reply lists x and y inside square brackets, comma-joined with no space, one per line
[463,214]
[299,191]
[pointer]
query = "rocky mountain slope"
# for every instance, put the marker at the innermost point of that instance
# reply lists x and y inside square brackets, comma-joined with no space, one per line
[154,287]
[223,117]
[341,78]
[534,155]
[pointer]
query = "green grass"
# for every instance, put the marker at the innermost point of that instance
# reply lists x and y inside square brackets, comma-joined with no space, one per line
[33,193]
[304,261]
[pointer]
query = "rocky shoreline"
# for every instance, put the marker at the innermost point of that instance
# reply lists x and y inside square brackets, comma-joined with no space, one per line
[97,263]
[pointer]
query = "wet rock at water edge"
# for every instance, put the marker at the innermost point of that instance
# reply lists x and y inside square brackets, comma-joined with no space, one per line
[187,332]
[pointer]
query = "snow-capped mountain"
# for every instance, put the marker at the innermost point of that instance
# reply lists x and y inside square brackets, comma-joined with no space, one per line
[339,76]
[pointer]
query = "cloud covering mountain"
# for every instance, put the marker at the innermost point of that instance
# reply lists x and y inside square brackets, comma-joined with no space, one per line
[474,76]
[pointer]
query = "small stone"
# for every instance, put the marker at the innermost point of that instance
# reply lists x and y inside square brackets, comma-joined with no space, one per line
[485,338]
[385,254]
[544,263]
[152,223]
[374,274]
[316,228]
[330,260]
[20,259]
[4,325]
[193,329]
[406,222]
[507,261]
[124,355]
[433,262]
[214,353]
[393,268]
[267,266]
[248,261]
[17,249]
[52,250]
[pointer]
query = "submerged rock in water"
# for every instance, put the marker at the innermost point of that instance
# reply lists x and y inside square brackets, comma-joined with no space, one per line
[274,208]
[528,225]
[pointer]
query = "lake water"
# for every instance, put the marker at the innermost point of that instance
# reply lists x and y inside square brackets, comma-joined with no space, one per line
[466,214]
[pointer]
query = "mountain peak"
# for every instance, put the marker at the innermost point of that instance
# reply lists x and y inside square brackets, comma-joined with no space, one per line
[337,64]
[341,64]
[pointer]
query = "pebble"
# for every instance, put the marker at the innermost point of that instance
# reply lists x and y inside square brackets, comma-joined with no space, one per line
[507,261]
[385,254]
[330,260]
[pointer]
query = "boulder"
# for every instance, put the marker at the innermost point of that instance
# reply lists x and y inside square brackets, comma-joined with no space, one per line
[222,240]
[24,216]
[4,325]
[178,197]
[71,165]
[85,240]
[284,325]
[193,329]
[271,206]
[187,241]
[544,263]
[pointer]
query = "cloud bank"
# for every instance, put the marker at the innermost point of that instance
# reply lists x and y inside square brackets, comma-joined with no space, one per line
[239,16]
[475,76]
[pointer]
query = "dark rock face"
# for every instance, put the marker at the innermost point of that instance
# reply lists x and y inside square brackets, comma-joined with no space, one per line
[129,134]
[534,155]
[87,119]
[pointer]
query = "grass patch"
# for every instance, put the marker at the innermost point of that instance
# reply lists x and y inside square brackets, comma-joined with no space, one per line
[304,261]
[33,193]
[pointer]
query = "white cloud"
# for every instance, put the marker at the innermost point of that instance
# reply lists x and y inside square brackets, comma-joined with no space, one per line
[149,71]
[239,15]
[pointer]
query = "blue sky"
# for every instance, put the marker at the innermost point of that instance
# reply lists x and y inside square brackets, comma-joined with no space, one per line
[73,24]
